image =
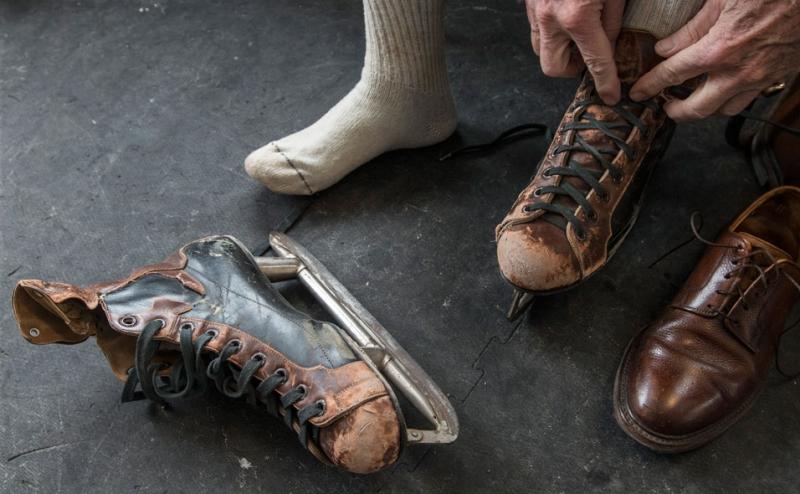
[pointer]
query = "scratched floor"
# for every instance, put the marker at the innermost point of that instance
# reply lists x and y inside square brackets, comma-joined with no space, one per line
[123,126]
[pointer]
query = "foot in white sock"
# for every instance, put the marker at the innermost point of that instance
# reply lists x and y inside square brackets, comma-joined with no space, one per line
[403,100]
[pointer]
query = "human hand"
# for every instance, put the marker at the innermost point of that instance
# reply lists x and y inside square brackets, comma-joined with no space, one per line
[743,46]
[593,25]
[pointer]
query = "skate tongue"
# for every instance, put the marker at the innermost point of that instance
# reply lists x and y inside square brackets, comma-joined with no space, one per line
[635,54]
[52,312]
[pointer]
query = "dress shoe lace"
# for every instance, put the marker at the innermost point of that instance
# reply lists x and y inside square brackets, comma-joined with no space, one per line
[749,263]
[585,121]
[190,374]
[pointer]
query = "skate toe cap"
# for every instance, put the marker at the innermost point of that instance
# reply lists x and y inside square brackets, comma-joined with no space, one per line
[537,257]
[365,440]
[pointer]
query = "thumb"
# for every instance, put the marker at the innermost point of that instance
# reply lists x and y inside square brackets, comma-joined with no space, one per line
[697,27]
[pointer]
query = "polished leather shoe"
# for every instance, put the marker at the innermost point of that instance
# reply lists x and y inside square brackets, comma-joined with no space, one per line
[694,371]
[208,317]
[585,195]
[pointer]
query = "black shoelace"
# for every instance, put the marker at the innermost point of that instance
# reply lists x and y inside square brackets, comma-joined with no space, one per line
[586,121]
[189,376]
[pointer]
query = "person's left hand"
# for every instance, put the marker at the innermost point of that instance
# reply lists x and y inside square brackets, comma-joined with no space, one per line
[743,46]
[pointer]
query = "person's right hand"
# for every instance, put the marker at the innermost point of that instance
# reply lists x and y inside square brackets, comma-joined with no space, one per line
[593,25]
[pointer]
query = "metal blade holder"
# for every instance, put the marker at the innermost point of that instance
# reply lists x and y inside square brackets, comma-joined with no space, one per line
[373,341]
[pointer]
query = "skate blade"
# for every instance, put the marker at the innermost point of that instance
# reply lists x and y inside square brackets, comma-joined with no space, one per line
[368,337]
[519,304]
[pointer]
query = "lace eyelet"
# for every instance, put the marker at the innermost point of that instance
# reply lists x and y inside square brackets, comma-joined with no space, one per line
[187,326]
[526,209]
[546,172]
[259,357]
[304,389]
[280,371]
[213,332]
[235,342]
[617,179]
[591,216]
[537,192]
[128,320]
[323,406]
[727,276]
[581,235]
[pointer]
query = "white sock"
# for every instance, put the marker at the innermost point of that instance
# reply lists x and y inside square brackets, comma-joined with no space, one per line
[660,18]
[403,100]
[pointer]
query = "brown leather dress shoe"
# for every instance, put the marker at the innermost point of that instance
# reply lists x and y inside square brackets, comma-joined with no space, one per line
[585,196]
[697,369]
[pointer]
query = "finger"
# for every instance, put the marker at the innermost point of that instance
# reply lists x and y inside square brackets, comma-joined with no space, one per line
[673,71]
[705,101]
[692,32]
[535,40]
[738,103]
[598,55]
[612,18]
[555,53]
[530,9]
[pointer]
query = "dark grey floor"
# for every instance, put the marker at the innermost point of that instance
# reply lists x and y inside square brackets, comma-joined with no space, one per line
[123,126]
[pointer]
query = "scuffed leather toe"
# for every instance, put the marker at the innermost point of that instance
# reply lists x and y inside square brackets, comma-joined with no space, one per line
[537,257]
[272,168]
[365,440]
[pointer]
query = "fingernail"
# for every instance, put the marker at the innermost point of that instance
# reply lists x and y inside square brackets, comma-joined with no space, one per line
[664,46]
[636,95]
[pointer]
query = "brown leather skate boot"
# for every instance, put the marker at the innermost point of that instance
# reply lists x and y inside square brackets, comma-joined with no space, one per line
[773,146]
[698,368]
[585,196]
[208,315]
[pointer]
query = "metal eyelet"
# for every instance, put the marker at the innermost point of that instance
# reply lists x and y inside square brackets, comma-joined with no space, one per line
[526,209]
[34,332]
[282,372]
[213,332]
[618,179]
[546,172]
[537,192]
[235,342]
[581,235]
[591,216]
[304,389]
[187,326]
[323,405]
[128,320]
[260,357]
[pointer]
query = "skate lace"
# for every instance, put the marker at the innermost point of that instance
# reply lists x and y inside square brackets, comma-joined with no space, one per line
[190,374]
[763,271]
[586,121]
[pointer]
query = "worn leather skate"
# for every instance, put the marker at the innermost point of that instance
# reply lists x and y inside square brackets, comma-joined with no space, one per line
[585,196]
[772,144]
[699,367]
[208,314]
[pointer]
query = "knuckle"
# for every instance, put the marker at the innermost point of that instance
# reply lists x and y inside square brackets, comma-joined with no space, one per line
[597,66]
[572,18]
[670,75]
